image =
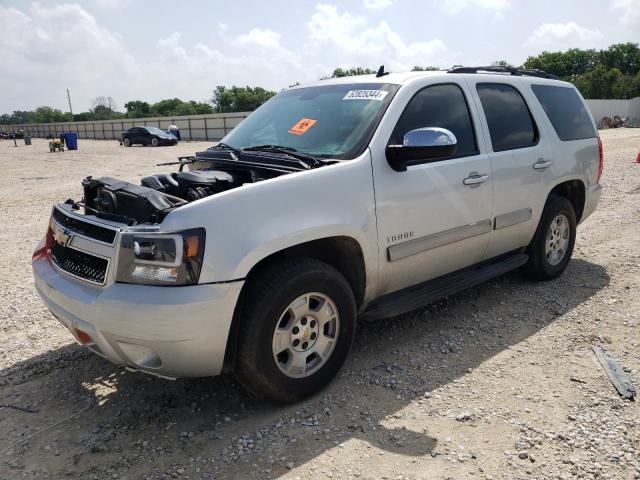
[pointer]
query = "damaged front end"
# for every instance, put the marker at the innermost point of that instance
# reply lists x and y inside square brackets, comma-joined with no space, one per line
[209,173]
[119,237]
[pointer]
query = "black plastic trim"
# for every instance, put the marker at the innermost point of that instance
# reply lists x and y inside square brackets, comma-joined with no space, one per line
[416,296]
[83,228]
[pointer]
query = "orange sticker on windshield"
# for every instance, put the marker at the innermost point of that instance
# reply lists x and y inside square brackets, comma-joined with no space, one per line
[302,126]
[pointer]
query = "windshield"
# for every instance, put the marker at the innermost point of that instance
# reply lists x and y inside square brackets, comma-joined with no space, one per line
[155,130]
[332,121]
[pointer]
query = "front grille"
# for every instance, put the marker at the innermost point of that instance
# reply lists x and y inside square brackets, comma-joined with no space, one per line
[79,264]
[87,229]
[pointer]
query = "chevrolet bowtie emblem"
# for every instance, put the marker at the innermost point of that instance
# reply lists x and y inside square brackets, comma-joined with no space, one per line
[62,237]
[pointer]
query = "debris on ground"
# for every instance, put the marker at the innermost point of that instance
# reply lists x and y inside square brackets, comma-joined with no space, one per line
[616,374]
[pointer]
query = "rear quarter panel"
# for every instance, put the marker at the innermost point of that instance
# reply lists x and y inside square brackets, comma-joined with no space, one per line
[572,160]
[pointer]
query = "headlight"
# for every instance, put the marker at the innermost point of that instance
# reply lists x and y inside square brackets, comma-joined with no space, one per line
[161,258]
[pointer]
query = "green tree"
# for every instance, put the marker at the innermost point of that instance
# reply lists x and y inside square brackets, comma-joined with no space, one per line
[623,56]
[239,99]
[137,109]
[193,108]
[165,108]
[418,68]
[350,72]
[608,73]
[48,115]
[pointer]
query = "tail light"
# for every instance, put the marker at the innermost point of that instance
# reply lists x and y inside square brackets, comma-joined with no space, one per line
[601,159]
[46,248]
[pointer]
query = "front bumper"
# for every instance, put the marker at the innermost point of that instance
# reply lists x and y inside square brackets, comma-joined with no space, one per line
[166,331]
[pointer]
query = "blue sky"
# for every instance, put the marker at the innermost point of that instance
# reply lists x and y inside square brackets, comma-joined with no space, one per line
[130,49]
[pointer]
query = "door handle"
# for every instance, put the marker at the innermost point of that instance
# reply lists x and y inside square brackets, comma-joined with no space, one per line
[541,164]
[475,179]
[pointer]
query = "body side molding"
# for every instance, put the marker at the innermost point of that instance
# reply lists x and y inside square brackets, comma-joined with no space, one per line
[429,242]
[512,218]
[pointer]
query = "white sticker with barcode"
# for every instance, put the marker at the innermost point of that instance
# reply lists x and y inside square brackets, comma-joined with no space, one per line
[365,95]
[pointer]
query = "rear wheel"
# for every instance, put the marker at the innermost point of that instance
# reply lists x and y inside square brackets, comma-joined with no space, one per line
[126,141]
[297,323]
[552,245]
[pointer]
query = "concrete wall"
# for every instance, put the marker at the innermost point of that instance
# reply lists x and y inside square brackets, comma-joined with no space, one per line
[610,108]
[192,127]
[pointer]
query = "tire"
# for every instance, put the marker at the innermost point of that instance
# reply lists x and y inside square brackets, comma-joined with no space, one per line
[551,248]
[126,141]
[267,319]
[154,142]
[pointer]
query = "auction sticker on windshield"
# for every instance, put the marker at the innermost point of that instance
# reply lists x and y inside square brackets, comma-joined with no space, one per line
[365,95]
[302,126]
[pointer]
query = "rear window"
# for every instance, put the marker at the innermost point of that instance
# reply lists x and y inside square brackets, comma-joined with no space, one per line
[566,112]
[510,122]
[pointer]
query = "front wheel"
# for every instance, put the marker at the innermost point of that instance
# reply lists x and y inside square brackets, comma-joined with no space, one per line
[297,323]
[552,245]
[126,142]
[154,142]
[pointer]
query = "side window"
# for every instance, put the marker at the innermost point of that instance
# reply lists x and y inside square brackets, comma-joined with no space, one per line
[508,117]
[566,111]
[441,106]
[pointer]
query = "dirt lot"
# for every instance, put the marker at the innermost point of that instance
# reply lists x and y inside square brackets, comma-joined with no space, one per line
[497,382]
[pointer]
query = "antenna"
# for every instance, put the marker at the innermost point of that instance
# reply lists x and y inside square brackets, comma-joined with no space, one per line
[381,72]
[69,99]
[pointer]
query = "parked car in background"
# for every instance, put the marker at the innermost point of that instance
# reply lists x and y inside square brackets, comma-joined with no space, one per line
[147,136]
[365,196]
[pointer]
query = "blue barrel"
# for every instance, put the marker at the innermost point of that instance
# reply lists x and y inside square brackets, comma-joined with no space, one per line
[71,139]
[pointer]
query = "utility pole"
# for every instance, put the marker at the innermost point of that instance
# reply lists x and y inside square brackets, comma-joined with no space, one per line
[69,98]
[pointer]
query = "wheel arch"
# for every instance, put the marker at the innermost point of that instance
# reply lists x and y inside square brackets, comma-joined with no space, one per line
[343,253]
[573,190]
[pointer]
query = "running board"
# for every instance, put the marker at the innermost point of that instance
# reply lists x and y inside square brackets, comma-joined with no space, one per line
[417,296]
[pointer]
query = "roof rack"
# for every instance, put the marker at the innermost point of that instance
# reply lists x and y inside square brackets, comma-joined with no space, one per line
[529,72]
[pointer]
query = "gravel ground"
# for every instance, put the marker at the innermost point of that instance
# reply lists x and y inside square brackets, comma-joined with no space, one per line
[497,382]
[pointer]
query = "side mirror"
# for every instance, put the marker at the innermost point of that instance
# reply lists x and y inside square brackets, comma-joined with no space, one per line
[421,144]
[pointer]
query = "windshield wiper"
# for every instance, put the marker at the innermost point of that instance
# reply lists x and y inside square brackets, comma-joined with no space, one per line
[309,160]
[225,146]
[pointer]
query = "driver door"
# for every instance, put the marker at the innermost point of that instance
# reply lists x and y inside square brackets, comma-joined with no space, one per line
[435,217]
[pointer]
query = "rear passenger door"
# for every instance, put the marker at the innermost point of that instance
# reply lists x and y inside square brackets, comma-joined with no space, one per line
[518,160]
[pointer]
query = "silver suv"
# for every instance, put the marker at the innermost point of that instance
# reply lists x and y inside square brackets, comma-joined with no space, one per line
[367,196]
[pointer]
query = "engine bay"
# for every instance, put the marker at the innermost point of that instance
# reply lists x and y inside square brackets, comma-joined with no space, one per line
[209,173]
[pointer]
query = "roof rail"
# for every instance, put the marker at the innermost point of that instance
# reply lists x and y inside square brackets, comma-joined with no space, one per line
[529,72]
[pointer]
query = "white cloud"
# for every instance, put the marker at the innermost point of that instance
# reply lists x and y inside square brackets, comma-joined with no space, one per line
[259,38]
[629,11]
[456,6]
[253,58]
[64,45]
[560,36]
[350,40]
[377,4]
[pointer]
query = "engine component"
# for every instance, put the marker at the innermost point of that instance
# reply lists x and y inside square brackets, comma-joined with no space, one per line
[192,185]
[116,197]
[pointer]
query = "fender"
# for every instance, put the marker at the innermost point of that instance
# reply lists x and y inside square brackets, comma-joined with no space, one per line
[249,223]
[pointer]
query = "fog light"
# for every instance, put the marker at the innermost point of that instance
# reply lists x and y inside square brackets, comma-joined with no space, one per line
[149,274]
